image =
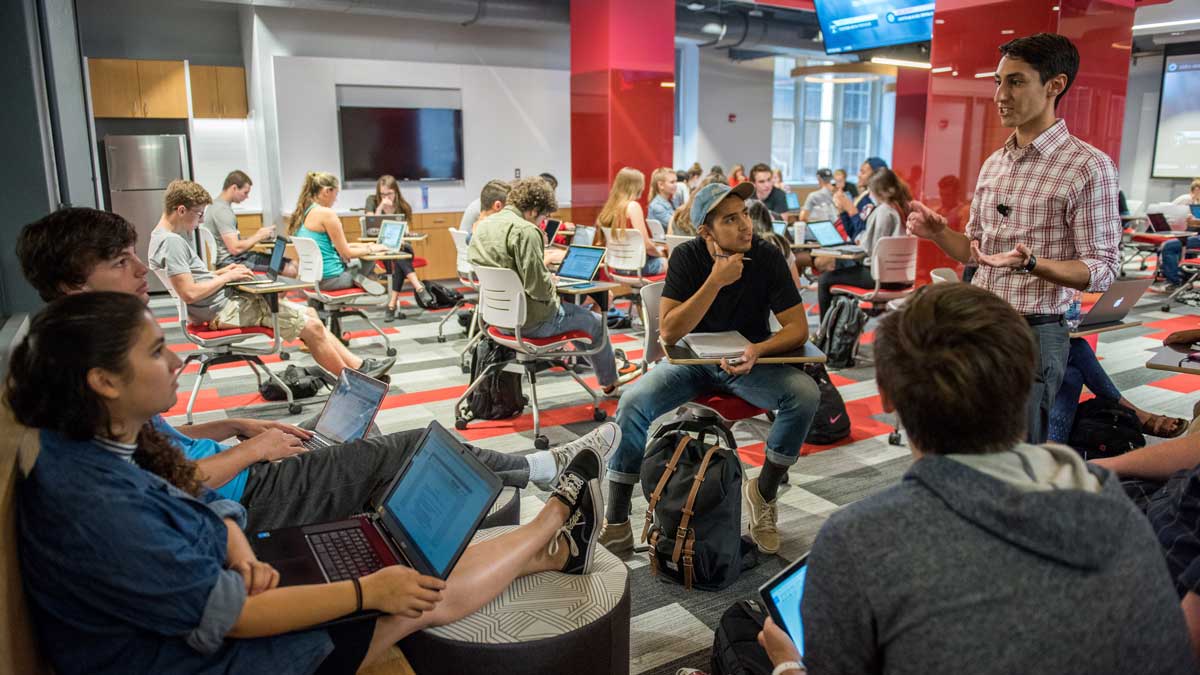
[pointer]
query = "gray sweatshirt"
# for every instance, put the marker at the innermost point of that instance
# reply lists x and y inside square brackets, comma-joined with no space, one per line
[883,221]
[1017,564]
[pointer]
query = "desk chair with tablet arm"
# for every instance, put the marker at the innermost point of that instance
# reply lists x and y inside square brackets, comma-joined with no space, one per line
[674,240]
[208,247]
[625,255]
[335,304]
[466,277]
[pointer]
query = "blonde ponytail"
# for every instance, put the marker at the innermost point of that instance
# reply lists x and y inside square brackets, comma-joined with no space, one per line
[314,182]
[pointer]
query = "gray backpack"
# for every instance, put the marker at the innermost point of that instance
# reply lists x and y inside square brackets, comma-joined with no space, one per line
[840,330]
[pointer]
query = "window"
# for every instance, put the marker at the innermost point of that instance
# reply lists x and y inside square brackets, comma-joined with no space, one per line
[822,123]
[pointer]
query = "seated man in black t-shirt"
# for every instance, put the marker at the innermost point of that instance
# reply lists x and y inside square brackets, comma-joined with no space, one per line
[726,279]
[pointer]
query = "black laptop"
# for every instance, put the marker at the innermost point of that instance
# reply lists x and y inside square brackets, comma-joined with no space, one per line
[1158,223]
[427,518]
[274,269]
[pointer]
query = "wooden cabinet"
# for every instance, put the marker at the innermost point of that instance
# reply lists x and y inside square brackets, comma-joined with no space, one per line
[438,249]
[129,88]
[218,92]
[248,223]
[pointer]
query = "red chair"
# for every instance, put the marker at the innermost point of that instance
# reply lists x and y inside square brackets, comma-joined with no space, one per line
[335,304]
[502,309]
[215,347]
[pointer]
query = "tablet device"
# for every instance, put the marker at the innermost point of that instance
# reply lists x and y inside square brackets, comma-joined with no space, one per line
[782,595]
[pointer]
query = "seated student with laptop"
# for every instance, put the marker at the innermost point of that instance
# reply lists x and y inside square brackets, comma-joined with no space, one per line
[387,200]
[221,222]
[76,250]
[209,301]
[131,565]
[726,279]
[510,240]
[314,218]
[991,555]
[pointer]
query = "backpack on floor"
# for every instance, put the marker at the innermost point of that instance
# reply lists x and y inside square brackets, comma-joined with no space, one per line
[443,297]
[694,515]
[735,643]
[1105,428]
[298,380]
[840,330]
[831,423]
[498,396]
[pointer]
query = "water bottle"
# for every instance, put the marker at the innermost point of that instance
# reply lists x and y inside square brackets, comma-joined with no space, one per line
[424,196]
[1074,314]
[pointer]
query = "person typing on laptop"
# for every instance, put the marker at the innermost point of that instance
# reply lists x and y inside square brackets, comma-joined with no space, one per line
[131,565]
[77,250]
[220,220]
[726,279]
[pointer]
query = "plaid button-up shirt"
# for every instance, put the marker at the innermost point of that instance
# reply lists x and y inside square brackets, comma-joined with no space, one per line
[1061,197]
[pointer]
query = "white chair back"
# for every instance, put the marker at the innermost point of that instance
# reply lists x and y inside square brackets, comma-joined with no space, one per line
[1135,206]
[627,253]
[180,305]
[208,247]
[311,268]
[463,260]
[652,350]
[584,235]
[894,260]
[943,275]
[674,240]
[656,229]
[501,298]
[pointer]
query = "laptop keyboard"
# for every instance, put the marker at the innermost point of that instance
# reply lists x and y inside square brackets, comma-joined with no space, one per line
[345,554]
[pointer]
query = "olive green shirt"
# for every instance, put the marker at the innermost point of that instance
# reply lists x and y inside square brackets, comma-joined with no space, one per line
[505,239]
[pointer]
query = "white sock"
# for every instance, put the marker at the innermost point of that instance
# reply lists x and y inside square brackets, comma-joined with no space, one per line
[542,468]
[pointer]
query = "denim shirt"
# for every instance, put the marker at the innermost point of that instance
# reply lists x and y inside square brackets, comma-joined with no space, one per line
[125,573]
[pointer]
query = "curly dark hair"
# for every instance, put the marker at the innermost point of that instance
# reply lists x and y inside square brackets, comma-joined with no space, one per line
[47,384]
[61,249]
[533,194]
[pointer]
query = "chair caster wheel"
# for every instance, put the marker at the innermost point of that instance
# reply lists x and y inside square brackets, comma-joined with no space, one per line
[894,438]
[541,443]
[1166,308]
[441,338]
[295,408]
[391,351]
[345,339]
[284,356]
[600,415]
[460,424]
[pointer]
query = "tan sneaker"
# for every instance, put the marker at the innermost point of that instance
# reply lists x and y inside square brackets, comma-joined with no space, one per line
[617,537]
[764,518]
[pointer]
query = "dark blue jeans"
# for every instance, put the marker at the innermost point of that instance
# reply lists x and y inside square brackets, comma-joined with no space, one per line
[1169,255]
[1082,368]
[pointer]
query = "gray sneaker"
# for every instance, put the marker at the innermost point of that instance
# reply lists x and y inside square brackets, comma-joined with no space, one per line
[376,368]
[603,439]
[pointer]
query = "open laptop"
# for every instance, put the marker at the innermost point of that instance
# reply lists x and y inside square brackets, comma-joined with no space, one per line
[274,269]
[829,237]
[391,234]
[579,266]
[1114,305]
[781,598]
[425,521]
[373,223]
[793,201]
[1158,222]
[552,225]
[1195,210]
[349,411]
[780,227]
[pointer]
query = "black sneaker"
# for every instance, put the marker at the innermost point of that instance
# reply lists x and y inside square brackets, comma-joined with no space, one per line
[376,367]
[389,314]
[425,299]
[579,488]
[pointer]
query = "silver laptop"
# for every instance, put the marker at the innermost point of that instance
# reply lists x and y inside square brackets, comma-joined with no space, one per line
[829,237]
[579,266]
[349,411]
[391,234]
[1114,305]
[373,223]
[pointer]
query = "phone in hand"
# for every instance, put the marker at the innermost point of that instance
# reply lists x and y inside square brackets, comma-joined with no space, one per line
[736,361]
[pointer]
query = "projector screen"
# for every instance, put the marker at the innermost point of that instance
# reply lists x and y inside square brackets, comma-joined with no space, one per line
[1177,145]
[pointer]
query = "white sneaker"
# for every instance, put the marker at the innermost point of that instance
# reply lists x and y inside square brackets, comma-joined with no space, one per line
[603,439]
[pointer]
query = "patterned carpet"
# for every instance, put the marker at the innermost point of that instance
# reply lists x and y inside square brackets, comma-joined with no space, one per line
[670,627]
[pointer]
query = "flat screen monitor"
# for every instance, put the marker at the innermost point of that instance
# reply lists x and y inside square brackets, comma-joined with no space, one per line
[1177,145]
[408,143]
[867,24]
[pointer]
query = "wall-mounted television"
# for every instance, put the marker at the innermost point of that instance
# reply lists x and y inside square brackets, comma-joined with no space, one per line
[1177,139]
[409,143]
[868,24]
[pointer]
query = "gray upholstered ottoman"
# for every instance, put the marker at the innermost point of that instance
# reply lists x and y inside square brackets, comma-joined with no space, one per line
[544,623]
[505,511]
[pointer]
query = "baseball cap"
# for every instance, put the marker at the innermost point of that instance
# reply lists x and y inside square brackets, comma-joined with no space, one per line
[709,196]
[876,163]
[825,175]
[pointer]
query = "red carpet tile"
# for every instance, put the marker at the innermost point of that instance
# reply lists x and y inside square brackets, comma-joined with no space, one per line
[862,426]
[1184,384]
[1168,326]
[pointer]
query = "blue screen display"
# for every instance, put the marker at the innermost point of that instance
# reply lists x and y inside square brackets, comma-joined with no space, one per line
[580,262]
[786,596]
[866,24]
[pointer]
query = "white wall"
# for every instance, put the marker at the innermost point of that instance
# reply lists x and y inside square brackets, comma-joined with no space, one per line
[745,90]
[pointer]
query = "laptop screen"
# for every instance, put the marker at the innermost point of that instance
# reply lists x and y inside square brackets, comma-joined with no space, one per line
[1158,222]
[552,226]
[826,233]
[1195,210]
[780,227]
[581,262]
[351,407]
[439,500]
[793,201]
[391,234]
[276,266]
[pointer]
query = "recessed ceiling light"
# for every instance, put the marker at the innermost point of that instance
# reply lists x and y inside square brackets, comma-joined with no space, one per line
[943,69]
[980,76]
[1007,31]
[695,6]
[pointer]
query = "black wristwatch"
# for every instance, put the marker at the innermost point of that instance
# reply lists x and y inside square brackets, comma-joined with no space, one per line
[1031,264]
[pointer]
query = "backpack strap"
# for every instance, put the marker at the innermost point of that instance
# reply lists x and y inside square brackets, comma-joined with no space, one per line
[683,533]
[688,567]
[654,553]
[662,483]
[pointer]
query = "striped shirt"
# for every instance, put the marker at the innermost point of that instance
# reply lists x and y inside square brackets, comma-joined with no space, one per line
[1060,195]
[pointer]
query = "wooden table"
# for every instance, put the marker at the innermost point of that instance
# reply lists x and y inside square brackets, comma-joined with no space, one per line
[1174,358]
[830,253]
[270,292]
[805,246]
[1107,328]
[375,257]
[598,289]
[681,354]
[420,236]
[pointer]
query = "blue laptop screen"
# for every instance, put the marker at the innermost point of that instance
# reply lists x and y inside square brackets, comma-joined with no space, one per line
[1195,210]
[786,595]
[392,234]
[351,407]
[581,262]
[780,227]
[438,501]
[826,233]
[793,201]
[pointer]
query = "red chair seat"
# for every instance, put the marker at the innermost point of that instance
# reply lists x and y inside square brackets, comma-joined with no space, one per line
[1190,261]
[1150,238]
[203,332]
[728,406]
[542,343]
[418,261]
[882,296]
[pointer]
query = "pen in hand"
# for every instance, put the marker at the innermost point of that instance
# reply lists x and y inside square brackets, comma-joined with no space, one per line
[722,255]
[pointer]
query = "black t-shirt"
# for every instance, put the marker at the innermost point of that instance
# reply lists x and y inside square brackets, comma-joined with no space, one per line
[776,201]
[745,305]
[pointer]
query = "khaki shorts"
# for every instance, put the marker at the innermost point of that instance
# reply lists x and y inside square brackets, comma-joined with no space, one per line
[243,311]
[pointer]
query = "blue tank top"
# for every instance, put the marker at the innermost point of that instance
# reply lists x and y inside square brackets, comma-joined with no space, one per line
[331,260]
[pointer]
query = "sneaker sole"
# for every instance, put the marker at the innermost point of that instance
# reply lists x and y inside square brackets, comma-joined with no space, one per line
[598,526]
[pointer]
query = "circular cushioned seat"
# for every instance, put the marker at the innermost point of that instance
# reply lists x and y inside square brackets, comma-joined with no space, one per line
[542,623]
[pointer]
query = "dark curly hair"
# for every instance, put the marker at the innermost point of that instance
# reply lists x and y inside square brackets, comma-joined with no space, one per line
[533,194]
[47,378]
[63,247]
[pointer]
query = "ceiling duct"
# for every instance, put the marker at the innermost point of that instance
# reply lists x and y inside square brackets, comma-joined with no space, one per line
[748,36]
[532,14]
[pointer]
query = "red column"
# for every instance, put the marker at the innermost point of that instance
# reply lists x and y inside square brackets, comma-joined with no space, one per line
[622,53]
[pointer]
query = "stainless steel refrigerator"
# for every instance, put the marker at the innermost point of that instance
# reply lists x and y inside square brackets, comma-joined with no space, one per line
[139,169]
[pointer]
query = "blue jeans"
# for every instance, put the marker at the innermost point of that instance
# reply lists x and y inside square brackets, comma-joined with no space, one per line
[787,390]
[1168,258]
[1082,368]
[573,317]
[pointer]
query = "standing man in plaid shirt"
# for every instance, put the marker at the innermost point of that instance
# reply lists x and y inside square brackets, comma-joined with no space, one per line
[1044,219]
